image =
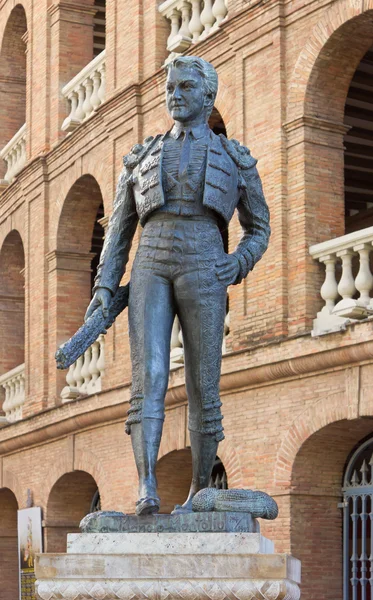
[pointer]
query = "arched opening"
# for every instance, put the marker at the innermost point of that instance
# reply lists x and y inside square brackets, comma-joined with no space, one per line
[99,27]
[174,474]
[79,244]
[70,500]
[8,545]
[79,239]
[315,507]
[12,326]
[358,168]
[358,523]
[12,78]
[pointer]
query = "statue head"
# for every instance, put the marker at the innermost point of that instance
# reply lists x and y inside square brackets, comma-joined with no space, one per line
[191,88]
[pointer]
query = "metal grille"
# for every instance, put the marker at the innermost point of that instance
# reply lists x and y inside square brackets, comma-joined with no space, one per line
[358,525]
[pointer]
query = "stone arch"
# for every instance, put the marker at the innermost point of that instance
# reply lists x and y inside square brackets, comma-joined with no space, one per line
[232,464]
[12,324]
[314,513]
[11,481]
[87,461]
[303,427]
[224,103]
[68,502]
[174,474]
[308,85]
[8,544]
[13,75]
[84,460]
[315,136]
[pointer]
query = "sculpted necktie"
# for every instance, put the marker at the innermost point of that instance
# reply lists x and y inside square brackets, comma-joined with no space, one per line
[184,156]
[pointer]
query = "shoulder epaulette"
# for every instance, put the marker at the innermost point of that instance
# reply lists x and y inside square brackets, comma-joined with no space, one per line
[138,151]
[238,153]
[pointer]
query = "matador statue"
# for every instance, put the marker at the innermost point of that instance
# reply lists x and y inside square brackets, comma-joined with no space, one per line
[183,187]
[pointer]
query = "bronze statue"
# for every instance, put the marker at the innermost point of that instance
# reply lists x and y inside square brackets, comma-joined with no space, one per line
[183,187]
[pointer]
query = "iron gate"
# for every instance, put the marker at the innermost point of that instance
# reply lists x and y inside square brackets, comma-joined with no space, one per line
[358,525]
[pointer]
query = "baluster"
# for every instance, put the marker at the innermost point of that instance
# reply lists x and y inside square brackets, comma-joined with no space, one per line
[346,286]
[219,10]
[102,89]
[207,18]
[93,369]
[79,113]
[95,98]
[195,25]
[6,388]
[226,332]
[354,556]
[87,106]
[70,391]
[177,352]
[9,174]
[101,358]
[175,25]
[77,374]
[71,121]
[85,371]
[17,386]
[184,31]
[364,279]
[329,289]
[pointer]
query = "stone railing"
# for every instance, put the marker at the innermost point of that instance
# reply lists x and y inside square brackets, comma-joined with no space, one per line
[85,92]
[84,376]
[14,154]
[13,384]
[192,20]
[177,349]
[348,280]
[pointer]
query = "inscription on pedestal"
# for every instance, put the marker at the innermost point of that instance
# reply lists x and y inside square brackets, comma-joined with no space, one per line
[115,522]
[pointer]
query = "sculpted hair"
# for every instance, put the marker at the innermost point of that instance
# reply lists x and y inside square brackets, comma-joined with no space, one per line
[204,68]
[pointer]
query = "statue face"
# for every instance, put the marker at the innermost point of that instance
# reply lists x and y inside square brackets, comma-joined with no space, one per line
[186,97]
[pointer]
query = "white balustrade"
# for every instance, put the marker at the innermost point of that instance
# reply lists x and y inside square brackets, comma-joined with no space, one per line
[14,154]
[13,384]
[192,20]
[349,299]
[85,92]
[177,348]
[84,376]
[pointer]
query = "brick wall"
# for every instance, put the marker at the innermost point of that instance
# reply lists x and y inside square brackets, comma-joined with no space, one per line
[294,406]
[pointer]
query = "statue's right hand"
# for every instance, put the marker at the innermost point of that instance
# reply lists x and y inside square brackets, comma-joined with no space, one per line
[101,298]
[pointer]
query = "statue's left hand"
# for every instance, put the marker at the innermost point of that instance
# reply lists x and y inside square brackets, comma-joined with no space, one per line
[228,269]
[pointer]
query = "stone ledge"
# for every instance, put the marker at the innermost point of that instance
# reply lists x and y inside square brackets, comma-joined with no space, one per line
[129,568]
[168,543]
[116,589]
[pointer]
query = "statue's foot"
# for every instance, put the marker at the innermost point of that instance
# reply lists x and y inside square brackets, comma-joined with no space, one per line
[147,506]
[182,509]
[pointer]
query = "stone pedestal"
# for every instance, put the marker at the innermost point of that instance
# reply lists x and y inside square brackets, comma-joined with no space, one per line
[164,566]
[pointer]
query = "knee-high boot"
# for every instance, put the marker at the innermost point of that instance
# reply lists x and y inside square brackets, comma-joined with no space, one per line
[146,438]
[204,448]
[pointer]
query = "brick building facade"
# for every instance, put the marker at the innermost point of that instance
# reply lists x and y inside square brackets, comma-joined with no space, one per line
[80,83]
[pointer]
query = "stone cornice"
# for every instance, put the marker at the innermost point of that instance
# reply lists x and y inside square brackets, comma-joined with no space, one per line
[69,261]
[91,411]
[71,8]
[316,123]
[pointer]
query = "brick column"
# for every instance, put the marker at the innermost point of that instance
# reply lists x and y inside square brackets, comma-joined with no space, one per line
[71,26]
[69,283]
[316,208]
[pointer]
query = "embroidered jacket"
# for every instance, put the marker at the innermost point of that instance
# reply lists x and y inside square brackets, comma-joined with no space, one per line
[231,181]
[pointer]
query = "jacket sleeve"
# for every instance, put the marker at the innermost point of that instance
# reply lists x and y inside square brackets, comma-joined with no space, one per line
[118,239]
[253,215]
